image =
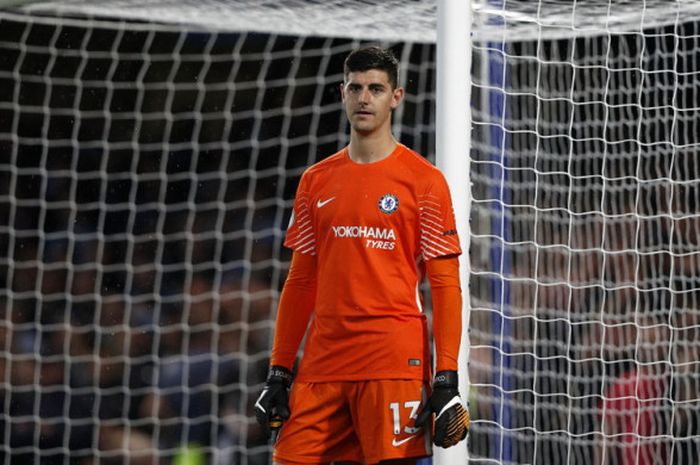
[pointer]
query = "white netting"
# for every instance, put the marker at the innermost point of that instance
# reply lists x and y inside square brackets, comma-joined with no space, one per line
[387,19]
[384,20]
[585,316]
[149,153]
[147,179]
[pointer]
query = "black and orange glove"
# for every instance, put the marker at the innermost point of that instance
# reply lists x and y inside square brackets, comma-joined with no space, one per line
[451,418]
[272,407]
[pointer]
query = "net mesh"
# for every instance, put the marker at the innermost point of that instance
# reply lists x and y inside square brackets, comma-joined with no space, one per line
[147,180]
[584,264]
[149,156]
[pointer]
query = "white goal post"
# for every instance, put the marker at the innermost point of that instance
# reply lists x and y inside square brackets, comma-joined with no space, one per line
[452,133]
[149,154]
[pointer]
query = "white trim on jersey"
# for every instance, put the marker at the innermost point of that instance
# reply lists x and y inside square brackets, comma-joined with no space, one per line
[303,239]
[432,242]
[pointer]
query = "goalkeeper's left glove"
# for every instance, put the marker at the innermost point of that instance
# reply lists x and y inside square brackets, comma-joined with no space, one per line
[451,418]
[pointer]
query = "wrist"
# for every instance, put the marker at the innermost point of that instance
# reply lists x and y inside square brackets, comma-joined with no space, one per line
[446,379]
[279,375]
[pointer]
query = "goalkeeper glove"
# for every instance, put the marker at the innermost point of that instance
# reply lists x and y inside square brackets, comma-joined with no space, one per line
[272,407]
[451,418]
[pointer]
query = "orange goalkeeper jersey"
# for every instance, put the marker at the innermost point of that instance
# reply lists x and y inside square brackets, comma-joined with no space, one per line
[370,227]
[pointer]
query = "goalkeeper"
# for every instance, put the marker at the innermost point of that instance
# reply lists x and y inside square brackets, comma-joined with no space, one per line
[368,223]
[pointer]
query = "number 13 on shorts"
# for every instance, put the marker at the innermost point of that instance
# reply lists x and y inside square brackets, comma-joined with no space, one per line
[408,411]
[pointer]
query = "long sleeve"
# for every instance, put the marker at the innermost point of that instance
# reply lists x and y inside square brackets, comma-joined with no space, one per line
[443,275]
[294,310]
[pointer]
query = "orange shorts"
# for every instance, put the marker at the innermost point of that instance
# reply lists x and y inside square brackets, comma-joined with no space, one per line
[364,421]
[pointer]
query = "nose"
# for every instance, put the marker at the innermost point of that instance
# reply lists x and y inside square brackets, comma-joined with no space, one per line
[364,95]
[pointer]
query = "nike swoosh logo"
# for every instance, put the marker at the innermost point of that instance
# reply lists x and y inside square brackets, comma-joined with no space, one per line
[257,403]
[321,203]
[396,443]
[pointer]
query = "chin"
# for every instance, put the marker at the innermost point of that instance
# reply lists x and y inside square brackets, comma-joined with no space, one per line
[363,128]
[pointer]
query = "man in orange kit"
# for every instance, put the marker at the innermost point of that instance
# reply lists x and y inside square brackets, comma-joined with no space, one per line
[368,223]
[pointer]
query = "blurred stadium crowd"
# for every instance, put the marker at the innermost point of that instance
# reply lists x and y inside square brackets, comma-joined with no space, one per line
[145,187]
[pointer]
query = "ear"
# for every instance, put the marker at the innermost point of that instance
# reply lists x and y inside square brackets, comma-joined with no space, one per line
[397,97]
[342,91]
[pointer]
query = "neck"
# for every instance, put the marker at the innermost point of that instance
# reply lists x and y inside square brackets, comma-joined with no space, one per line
[370,148]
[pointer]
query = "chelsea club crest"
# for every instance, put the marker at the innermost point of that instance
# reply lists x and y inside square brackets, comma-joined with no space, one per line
[388,203]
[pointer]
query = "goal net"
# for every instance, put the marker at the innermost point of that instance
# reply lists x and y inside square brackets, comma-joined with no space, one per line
[149,154]
[584,286]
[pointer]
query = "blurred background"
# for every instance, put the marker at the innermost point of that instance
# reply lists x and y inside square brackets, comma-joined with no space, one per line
[147,173]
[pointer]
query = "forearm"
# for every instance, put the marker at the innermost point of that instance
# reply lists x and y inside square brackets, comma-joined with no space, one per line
[443,274]
[294,310]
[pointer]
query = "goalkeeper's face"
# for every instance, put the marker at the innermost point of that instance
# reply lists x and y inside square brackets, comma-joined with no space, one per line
[369,100]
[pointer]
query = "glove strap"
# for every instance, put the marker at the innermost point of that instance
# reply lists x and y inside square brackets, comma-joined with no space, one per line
[279,375]
[446,379]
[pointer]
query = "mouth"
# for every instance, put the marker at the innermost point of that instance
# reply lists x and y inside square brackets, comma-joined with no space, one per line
[363,113]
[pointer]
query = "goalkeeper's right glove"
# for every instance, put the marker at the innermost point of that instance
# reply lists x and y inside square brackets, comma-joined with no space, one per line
[451,418]
[272,407]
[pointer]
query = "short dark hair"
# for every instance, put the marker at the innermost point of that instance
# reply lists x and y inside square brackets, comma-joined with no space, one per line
[367,58]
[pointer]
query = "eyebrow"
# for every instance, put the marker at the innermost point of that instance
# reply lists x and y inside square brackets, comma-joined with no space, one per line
[371,85]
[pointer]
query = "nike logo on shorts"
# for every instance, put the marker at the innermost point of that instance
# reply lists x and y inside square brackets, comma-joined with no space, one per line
[397,443]
[321,203]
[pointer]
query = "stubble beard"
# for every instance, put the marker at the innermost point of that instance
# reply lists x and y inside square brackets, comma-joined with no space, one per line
[367,126]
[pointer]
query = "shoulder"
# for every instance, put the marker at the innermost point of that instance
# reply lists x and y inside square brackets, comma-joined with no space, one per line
[421,165]
[325,166]
[427,176]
